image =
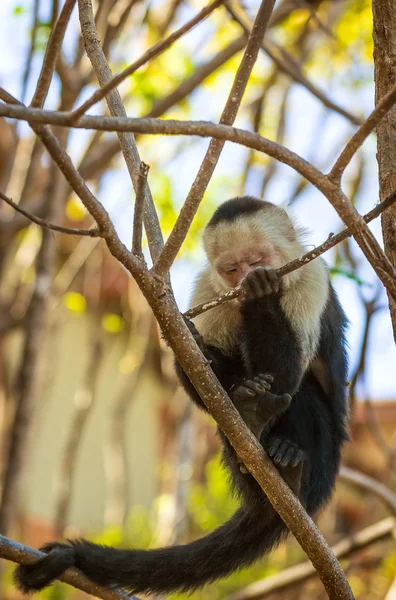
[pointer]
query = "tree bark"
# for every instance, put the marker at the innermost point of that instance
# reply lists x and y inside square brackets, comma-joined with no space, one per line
[385,77]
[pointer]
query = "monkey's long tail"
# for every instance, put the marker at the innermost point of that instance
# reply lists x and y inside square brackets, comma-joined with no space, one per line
[237,543]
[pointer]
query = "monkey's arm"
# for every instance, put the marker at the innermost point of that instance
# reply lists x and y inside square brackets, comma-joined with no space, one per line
[270,345]
[214,355]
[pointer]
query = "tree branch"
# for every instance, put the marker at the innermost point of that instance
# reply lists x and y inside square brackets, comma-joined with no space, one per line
[139,208]
[94,232]
[288,65]
[51,54]
[300,573]
[156,50]
[209,163]
[382,108]
[127,140]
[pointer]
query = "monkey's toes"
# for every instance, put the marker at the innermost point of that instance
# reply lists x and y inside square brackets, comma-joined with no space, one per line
[284,452]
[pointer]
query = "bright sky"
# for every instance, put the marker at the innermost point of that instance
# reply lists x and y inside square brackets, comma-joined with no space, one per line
[312,210]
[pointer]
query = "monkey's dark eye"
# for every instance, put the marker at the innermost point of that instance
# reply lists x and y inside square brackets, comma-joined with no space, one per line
[231,270]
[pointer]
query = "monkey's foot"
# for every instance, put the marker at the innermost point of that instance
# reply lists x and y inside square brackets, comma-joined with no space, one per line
[256,404]
[289,460]
[284,452]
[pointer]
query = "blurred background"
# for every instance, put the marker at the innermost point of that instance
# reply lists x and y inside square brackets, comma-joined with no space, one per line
[96,437]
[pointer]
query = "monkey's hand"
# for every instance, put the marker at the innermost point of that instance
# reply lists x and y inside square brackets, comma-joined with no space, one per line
[256,404]
[260,282]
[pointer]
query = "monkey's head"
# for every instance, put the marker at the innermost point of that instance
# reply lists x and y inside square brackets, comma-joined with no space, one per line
[245,233]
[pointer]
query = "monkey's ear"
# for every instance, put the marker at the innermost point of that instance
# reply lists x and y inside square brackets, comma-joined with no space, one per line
[286,225]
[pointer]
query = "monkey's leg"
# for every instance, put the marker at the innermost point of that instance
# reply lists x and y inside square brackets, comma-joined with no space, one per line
[289,460]
[256,404]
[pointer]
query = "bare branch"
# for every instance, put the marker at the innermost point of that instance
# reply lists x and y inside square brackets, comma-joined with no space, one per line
[370,484]
[209,163]
[382,108]
[145,58]
[94,207]
[94,232]
[51,54]
[24,555]
[90,169]
[32,49]
[287,64]
[139,208]
[300,573]
[127,141]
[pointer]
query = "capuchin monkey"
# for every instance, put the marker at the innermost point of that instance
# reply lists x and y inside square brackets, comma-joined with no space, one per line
[279,351]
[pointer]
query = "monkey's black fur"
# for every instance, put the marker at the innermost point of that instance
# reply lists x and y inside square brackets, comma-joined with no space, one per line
[303,435]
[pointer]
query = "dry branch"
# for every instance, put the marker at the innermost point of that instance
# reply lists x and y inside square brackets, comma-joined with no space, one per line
[298,574]
[286,63]
[382,108]
[145,58]
[51,54]
[212,156]
[114,102]
[94,232]
[139,208]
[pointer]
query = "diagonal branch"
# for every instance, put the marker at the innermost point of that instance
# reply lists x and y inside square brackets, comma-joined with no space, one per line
[297,574]
[209,163]
[382,108]
[94,232]
[288,65]
[126,140]
[51,54]
[145,58]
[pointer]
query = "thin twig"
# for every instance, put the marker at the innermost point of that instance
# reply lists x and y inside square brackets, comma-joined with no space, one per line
[212,156]
[300,573]
[127,142]
[382,108]
[94,232]
[109,149]
[153,52]
[287,64]
[139,208]
[24,555]
[32,49]
[332,241]
[51,54]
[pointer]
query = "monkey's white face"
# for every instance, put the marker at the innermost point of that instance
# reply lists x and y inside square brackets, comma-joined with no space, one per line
[232,266]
